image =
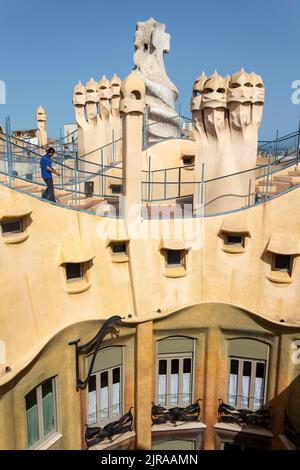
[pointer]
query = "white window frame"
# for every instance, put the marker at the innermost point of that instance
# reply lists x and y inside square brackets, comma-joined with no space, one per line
[42,437]
[168,357]
[111,418]
[251,397]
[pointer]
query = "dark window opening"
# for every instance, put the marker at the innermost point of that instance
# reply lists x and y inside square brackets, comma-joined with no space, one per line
[104,379]
[116,188]
[145,47]
[188,160]
[174,257]
[118,248]
[231,239]
[162,367]
[15,226]
[282,263]
[73,271]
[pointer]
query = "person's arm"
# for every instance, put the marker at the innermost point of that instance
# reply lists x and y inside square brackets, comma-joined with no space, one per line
[51,170]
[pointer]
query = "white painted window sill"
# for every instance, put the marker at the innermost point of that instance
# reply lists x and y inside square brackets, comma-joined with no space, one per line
[115,440]
[48,442]
[179,426]
[248,429]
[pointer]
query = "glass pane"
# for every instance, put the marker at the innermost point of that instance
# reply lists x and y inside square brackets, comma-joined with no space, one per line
[48,407]
[174,389]
[233,380]
[247,366]
[282,262]
[92,401]
[259,385]
[162,382]
[74,271]
[116,392]
[104,403]
[32,418]
[186,381]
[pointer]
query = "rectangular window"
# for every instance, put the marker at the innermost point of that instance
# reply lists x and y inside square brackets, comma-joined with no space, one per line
[74,271]
[175,380]
[246,388]
[116,188]
[40,406]
[14,226]
[232,239]
[188,160]
[105,396]
[118,248]
[282,263]
[174,258]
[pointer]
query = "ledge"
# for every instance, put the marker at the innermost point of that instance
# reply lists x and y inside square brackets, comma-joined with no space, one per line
[48,442]
[286,442]
[175,272]
[179,426]
[76,287]
[248,429]
[16,237]
[233,248]
[117,440]
[280,277]
[119,258]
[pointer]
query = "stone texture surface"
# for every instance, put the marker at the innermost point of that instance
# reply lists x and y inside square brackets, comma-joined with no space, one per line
[151,44]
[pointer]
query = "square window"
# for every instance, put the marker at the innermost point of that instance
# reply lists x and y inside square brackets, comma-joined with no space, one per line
[116,188]
[234,239]
[282,263]
[174,257]
[188,160]
[118,248]
[74,271]
[13,226]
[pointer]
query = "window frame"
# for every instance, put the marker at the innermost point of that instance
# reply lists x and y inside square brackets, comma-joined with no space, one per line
[182,263]
[110,419]
[39,399]
[251,398]
[13,232]
[75,279]
[169,357]
[287,271]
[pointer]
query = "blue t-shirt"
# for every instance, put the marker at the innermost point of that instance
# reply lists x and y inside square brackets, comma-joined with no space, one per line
[46,161]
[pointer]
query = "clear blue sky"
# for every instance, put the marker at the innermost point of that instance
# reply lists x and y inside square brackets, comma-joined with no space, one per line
[47,46]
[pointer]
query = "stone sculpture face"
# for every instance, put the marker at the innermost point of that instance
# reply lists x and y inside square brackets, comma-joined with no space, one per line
[258,91]
[92,95]
[132,94]
[104,88]
[240,88]
[41,114]
[115,86]
[79,95]
[196,99]
[214,92]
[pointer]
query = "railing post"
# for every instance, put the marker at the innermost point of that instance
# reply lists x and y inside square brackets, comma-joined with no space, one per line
[145,129]
[61,151]
[202,185]
[9,150]
[179,183]
[149,179]
[102,174]
[298,143]
[113,146]
[75,177]
[165,184]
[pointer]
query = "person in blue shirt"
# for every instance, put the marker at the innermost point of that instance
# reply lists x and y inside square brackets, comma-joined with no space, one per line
[47,170]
